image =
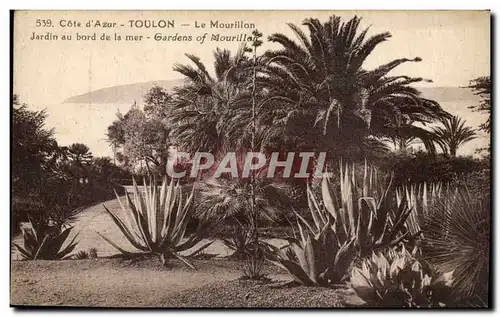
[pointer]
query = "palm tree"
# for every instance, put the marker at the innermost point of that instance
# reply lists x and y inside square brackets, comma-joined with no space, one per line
[453,134]
[202,105]
[321,82]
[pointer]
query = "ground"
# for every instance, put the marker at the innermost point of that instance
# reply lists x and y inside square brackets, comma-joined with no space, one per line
[119,283]
[114,282]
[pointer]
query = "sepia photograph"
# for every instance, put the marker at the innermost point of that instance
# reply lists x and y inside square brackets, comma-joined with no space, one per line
[251,159]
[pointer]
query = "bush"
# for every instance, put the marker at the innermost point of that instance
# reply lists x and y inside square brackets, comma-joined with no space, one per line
[422,167]
[457,237]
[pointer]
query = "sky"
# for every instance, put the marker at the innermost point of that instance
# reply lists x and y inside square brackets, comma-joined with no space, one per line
[454,47]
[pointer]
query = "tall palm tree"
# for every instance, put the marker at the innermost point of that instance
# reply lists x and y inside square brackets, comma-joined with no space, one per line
[453,134]
[322,83]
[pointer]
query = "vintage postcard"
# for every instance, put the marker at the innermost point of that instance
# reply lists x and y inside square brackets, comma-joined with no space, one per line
[251,159]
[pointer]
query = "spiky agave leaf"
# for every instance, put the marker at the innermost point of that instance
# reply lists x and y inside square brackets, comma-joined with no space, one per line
[156,222]
[458,239]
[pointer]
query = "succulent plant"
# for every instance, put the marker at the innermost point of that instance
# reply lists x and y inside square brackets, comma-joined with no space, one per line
[156,222]
[398,279]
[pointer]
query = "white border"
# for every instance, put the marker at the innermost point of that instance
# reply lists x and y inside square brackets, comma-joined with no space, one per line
[185,5]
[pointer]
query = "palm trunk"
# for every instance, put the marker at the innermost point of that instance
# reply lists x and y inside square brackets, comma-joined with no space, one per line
[255,232]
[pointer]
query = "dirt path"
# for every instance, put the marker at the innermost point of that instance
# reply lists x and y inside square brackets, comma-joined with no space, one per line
[95,219]
[111,282]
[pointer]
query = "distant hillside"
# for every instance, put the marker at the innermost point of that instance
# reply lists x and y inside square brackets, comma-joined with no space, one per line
[448,94]
[127,94]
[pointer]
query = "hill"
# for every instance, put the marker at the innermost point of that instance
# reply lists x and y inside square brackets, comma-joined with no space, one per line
[127,94]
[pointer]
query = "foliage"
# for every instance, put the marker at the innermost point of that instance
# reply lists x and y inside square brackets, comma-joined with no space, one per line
[253,263]
[156,222]
[45,176]
[79,153]
[240,241]
[81,255]
[361,217]
[319,87]
[143,135]
[204,113]
[34,148]
[398,279]
[93,253]
[420,198]
[221,198]
[318,257]
[453,134]
[477,183]
[365,209]
[44,241]
[156,102]
[420,167]
[457,237]
[482,87]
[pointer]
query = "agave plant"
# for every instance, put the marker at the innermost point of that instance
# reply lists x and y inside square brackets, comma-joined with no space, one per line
[398,279]
[317,258]
[45,240]
[156,222]
[420,198]
[365,211]
[346,226]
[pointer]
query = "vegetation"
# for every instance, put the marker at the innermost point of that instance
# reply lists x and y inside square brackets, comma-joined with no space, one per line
[44,241]
[311,93]
[359,222]
[453,134]
[457,237]
[156,222]
[482,87]
[398,279]
[47,177]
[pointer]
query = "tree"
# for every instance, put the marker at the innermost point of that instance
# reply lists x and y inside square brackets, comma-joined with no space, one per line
[143,136]
[79,153]
[453,134]
[203,106]
[482,87]
[156,102]
[34,148]
[319,84]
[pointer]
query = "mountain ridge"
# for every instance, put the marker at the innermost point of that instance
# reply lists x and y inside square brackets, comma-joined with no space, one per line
[130,93]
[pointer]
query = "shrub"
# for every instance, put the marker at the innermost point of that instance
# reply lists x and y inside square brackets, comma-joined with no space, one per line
[156,222]
[423,167]
[398,279]
[44,241]
[81,255]
[457,237]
